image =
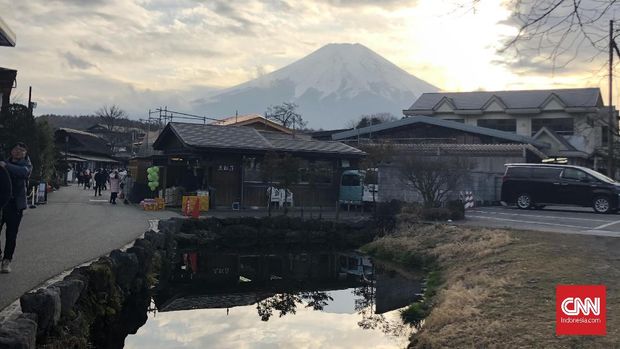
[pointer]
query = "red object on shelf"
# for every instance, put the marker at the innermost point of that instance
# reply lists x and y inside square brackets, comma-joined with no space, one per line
[196,210]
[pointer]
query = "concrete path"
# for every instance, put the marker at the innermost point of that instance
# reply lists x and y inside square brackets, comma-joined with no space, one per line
[74,227]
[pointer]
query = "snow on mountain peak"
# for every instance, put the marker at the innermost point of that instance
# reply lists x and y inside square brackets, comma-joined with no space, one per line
[334,84]
[344,70]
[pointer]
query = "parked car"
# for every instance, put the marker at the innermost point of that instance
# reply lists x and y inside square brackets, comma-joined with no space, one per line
[538,185]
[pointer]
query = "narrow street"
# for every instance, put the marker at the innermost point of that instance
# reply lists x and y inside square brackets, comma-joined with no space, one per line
[74,227]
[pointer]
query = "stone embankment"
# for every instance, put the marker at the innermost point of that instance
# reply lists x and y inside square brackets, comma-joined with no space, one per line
[94,306]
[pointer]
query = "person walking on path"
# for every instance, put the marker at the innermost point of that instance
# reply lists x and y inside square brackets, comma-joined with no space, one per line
[115,186]
[19,167]
[100,179]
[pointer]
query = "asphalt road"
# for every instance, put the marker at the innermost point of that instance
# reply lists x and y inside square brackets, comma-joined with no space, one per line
[570,220]
[74,227]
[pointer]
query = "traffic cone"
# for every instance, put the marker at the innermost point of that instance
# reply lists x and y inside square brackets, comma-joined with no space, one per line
[196,211]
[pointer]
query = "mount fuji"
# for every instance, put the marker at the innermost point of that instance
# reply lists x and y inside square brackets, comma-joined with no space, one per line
[332,85]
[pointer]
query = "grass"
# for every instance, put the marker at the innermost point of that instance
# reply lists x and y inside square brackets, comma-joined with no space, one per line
[496,288]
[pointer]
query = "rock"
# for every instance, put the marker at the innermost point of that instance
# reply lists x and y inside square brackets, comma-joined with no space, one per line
[20,333]
[45,303]
[70,291]
[158,240]
[144,255]
[125,267]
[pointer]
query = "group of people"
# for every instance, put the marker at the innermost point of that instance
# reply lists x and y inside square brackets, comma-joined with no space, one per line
[14,174]
[99,180]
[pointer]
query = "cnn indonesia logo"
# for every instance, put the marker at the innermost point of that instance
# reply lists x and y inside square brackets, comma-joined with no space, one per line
[580,310]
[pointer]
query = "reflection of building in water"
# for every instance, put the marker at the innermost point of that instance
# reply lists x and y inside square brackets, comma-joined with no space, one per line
[229,269]
[235,279]
[356,264]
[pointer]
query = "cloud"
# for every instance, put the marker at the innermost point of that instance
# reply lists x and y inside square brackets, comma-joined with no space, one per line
[170,47]
[375,3]
[96,47]
[77,62]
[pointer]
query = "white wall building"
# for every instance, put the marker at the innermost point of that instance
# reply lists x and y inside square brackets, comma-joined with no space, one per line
[572,122]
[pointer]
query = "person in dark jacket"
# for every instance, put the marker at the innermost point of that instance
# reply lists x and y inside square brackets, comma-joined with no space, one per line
[100,179]
[19,168]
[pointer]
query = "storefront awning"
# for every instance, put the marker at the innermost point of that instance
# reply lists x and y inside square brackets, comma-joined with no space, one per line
[85,157]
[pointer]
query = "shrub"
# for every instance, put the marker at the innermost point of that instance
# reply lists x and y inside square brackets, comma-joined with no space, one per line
[457,209]
[435,214]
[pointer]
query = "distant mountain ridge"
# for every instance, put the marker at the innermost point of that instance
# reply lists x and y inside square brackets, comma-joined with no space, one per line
[84,122]
[332,85]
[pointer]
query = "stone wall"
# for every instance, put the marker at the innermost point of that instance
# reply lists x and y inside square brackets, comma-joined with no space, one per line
[94,306]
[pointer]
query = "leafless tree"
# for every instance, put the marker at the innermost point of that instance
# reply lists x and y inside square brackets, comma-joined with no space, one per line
[111,116]
[371,119]
[558,31]
[434,177]
[286,115]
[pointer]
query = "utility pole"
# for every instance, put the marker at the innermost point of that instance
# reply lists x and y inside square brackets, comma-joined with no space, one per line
[610,142]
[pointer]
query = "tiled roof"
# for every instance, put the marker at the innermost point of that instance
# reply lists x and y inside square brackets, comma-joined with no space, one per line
[437,122]
[212,136]
[246,138]
[469,148]
[572,98]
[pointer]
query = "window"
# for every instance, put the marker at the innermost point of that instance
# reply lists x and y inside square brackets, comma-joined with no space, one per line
[546,172]
[509,125]
[462,121]
[251,170]
[561,126]
[351,180]
[518,172]
[319,172]
[571,173]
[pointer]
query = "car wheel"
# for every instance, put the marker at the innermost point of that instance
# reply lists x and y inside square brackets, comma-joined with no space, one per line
[524,201]
[601,204]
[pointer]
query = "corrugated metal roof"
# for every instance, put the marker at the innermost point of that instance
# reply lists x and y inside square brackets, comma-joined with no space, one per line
[437,122]
[246,138]
[525,99]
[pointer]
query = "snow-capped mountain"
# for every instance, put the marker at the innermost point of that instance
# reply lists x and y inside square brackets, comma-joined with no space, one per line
[332,85]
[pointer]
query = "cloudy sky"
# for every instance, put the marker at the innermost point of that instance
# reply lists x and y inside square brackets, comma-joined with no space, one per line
[81,54]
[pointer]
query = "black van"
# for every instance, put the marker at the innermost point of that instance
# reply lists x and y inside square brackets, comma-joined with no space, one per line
[537,185]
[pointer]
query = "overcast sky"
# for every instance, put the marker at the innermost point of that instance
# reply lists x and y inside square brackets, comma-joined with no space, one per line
[81,54]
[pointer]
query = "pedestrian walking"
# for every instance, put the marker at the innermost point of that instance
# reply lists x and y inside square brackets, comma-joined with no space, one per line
[100,179]
[115,186]
[19,168]
[87,179]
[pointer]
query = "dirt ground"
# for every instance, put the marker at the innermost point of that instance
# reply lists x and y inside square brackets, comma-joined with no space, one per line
[498,286]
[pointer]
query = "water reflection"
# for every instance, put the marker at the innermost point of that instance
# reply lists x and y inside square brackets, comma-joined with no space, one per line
[307,300]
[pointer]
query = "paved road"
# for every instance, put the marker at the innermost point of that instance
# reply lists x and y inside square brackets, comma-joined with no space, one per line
[72,228]
[557,219]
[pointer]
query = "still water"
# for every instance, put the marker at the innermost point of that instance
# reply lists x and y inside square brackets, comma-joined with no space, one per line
[355,307]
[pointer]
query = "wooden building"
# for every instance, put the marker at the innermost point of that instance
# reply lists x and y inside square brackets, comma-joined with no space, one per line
[83,150]
[226,160]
